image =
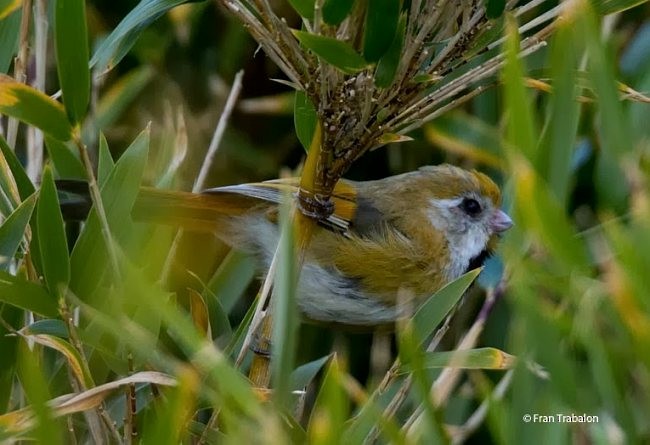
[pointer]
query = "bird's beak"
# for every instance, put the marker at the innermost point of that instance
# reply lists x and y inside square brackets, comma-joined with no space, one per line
[500,221]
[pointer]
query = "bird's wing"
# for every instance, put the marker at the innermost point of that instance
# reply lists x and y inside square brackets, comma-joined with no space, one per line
[343,197]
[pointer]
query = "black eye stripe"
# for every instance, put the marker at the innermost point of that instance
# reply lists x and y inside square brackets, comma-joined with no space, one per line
[471,206]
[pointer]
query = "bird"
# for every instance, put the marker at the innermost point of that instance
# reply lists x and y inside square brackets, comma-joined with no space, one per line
[407,234]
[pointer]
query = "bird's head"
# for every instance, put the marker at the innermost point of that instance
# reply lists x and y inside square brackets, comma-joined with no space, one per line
[465,206]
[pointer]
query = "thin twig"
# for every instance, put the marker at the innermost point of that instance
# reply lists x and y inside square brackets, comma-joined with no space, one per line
[199,183]
[34,135]
[208,160]
[20,66]
[96,198]
[459,435]
[446,381]
[259,314]
[403,391]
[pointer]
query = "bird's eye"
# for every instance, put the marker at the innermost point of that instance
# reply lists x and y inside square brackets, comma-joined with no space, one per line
[471,206]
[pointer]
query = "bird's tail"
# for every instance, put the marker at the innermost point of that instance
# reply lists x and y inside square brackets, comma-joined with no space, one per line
[192,211]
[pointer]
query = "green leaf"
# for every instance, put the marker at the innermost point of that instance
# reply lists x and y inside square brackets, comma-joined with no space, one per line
[481,358]
[304,374]
[381,24]
[612,119]
[335,11]
[7,7]
[49,326]
[232,277]
[387,66]
[494,8]
[13,319]
[218,317]
[331,406]
[559,138]
[337,53]
[105,164]
[26,295]
[71,39]
[521,125]
[9,33]
[124,36]
[604,7]
[539,214]
[114,102]
[238,336]
[285,309]
[435,309]
[65,159]
[12,231]
[76,363]
[33,107]
[412,354]
[52,240]
[303,7]
[89,258]
[22,181]
[35,386]
[8,187]
[305,119]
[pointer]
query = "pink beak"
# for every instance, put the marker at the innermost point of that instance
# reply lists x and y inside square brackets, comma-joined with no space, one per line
[500,221]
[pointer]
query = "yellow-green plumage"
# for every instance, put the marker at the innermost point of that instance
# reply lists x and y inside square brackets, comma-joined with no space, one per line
[403,235]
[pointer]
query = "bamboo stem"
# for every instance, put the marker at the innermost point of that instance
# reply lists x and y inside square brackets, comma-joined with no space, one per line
[260,372]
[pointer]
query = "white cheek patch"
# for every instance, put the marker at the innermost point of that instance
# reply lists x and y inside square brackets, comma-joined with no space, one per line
[465,241]
[440,212]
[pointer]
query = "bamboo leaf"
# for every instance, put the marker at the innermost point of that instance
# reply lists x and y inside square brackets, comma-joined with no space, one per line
[232,277]
[199,312]
[217,317]
[305,119]
[126,34]
[337,53]
[49,326]
[613,122]
[435,309]
[76,363]
[9,33]
[559,138]
[26,295]
[105,164]
[304,374]
[521,126]
[37,392]
[539,212]
[13,317]
[285,309]
[330,409]
[494,8]
[10,164]
[304,7]
[8,6]
[71,39]
[89,258]
[381,23]
[387,66]
[22,420]
[51,236]
[66,161]
[335,11]
[33,107]
[604,7]
[481,358]
[12,231]
[114,102]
